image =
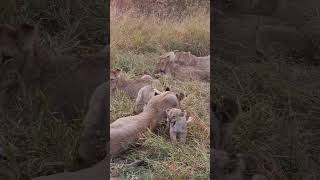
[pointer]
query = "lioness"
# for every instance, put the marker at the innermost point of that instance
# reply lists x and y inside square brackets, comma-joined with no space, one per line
[184,66]
[66,81]
[123,132]
[130,87]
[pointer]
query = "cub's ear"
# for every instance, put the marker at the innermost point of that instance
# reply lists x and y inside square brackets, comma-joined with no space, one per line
[180,96]
[27,36]
[167,89]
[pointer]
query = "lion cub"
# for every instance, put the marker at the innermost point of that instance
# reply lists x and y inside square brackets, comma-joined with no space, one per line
[178,121]
[144,95]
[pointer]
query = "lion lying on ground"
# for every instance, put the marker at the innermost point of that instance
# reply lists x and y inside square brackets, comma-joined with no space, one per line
[130,87]
[184,66]
[126,130]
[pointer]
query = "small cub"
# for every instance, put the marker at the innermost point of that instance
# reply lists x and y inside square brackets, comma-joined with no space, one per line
[144,95]
[177,119]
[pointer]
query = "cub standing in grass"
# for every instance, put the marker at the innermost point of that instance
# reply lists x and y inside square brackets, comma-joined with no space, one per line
[177,119]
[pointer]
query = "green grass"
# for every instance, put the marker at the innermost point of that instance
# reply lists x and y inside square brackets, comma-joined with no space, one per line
[136,44]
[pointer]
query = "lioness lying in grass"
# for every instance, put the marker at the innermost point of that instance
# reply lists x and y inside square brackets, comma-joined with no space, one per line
[130,87]
[184,66]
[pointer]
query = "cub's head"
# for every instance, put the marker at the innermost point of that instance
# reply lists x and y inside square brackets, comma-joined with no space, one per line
[160,103]
[175,114]
[144,95]
[17,48]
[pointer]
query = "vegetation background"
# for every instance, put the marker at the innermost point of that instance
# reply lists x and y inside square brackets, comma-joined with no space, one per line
[34,142]
[279,123]
[141,31]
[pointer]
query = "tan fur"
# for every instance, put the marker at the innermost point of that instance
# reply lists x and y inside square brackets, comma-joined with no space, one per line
[224,119]
[184,66]
[130,87]
[125,131]
[66,81]
[144,95]
[178,121]
[147,77]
